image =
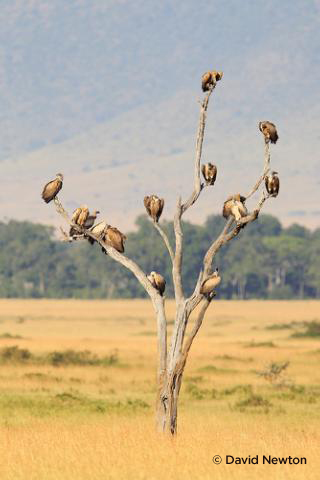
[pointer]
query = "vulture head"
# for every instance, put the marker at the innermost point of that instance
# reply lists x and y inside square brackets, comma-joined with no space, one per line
[59,176]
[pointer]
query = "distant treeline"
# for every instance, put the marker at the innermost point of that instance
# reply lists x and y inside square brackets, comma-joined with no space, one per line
[265,261]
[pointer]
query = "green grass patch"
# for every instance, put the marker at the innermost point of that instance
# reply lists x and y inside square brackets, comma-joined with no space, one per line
[16,355]
[235,359]
[65,403]
[42,377]
[237,389]
[254,401]
[254,344]
[214,369]
[10,336]
[312,330]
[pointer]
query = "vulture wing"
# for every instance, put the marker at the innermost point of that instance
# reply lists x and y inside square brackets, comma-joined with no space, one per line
[267,185]
[83,216]
[226,211]
[115,238]
[213,172]
[161,205]
[276,185]
[161,284]
[206,77]
[146,202]
[51,190]
[75,215]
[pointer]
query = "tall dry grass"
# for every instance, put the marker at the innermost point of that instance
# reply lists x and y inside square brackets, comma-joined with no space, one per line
[97,422]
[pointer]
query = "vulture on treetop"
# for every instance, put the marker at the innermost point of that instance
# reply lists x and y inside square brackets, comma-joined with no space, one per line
[52,188]
[269,131]
[157,281]
[209,173]
[209,79]
[154,206]
[272,184]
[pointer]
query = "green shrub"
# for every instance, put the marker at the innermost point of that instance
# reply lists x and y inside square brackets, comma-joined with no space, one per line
[312,330]
[15,354]
[254,401]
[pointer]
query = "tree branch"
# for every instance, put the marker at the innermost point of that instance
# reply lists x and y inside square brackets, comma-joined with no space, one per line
[266,169]
[165,239]
[194,331]
[226,236]
[198,186]
[156,298]
[177,262]
[183,207]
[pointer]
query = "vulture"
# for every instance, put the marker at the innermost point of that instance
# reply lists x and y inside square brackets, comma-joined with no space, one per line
[97,230]
[235,206]
[210,284]
[74,219]
[269,131]
[83,216]
[114,238]
[75,215]
[154,206]
[272,184]
[209,79]
[91,219]
[157,281]
[78,215]
[209,173]
[52,188]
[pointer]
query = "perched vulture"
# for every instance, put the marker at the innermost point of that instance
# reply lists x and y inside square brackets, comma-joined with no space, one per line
[83,216]
[210,284]
[114,238]
[273,184]
[74,219]
[91,219]
[157,281]
[154,206]
[52,188]
[209,173]
[209,79]
[97,230]
[269,131]
[235,206]
[75,215]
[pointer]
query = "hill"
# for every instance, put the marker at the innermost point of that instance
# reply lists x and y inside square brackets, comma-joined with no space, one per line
[107,92]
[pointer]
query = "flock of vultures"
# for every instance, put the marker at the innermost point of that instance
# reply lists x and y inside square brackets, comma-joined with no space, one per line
[234,206]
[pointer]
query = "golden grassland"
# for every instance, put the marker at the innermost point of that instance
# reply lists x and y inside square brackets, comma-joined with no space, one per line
[69,421]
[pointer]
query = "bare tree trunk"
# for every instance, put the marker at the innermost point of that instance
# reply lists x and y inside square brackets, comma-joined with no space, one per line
[168,395]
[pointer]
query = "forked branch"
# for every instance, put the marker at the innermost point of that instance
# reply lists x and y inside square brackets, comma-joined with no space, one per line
[156,298]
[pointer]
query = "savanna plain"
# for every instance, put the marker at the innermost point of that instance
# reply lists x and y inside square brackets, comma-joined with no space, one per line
[78,385]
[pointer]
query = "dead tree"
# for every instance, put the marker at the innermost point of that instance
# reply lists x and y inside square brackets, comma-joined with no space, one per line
[172,357]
